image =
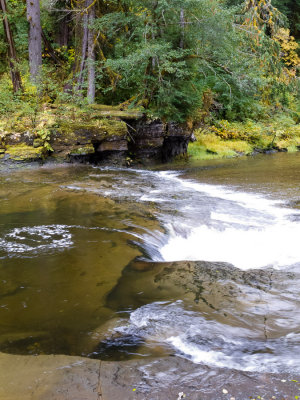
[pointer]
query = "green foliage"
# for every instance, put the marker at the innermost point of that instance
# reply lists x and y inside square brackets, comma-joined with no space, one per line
[165,56]
[170,79]
[230,139]
[6,95]
[44,135]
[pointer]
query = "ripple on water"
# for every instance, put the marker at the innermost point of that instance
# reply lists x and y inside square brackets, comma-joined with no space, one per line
[31,240]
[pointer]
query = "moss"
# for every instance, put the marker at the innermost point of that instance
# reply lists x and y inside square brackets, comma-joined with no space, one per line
[230,139]
[210,146]
[291,144]
[24,153]
[66,129]
[37,143]
[113,128]
[103,128]
[199,152]
[116,112]
[292,148]
[82,151]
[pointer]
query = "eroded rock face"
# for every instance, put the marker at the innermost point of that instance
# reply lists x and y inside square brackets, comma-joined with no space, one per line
[153,139]
[84,142]
[114,139]
[20,147]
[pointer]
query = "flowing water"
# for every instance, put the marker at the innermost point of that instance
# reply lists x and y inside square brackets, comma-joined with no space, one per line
[81,248]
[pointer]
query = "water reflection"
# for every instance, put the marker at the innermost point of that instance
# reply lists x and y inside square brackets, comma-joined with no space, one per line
[68,282]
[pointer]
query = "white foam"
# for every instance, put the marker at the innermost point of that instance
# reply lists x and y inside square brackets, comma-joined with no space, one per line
[213,222]
[210,342]
[275,245]
[230,219]
[36,238]
[249,200]
[240,361]
[250,231]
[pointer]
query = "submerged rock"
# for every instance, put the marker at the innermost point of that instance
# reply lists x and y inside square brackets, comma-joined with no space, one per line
[54,377]
[230,295]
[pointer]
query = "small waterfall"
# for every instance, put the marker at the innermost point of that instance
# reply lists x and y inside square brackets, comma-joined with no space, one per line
[216,223]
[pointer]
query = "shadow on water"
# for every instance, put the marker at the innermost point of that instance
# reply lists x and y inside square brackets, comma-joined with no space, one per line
[72,280]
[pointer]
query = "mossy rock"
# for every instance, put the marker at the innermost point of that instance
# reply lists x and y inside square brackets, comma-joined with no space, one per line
[37,143]
[116,112]
[87,133]
[82,151]
[25,153]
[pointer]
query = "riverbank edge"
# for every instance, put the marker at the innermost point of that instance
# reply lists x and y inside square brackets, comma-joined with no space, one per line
[97,134]
[112,135]
[59,377]
[224,139]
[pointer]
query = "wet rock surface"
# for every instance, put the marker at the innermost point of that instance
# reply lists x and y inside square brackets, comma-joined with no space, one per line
[48,377]
[210,287]
[241,298]
[76,378]
[168,377]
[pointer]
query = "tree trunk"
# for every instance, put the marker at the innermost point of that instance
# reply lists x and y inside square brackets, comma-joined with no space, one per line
[91,56]
[181,44]
[50,50]
[82,56]
[12,55]
[35,38]
[63,34]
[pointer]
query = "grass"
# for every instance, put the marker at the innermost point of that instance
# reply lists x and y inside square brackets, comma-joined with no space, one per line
[231,139]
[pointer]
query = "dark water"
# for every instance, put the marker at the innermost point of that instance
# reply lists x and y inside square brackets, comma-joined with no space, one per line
[68,232]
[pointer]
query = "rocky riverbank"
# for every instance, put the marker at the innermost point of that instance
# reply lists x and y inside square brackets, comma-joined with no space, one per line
[98,134]
[75,378]
[113,135]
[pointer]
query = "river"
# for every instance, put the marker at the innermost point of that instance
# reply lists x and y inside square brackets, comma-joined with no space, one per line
[80,244]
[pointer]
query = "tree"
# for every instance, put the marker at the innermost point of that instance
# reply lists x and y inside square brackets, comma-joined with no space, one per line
[167,54]
[12,55]
[291,8]
[91,52]
[34,38]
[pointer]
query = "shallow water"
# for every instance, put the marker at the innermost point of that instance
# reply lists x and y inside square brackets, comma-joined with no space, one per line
[68,232]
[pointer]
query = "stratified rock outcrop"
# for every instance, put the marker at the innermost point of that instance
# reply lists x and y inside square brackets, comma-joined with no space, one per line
[155,140]
[101,134]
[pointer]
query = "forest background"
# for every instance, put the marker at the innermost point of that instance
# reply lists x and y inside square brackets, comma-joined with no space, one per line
[227,67]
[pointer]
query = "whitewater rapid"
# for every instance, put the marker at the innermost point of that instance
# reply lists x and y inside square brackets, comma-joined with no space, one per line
[247,230]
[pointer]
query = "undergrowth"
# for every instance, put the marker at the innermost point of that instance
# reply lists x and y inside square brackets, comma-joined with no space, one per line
[231,139]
